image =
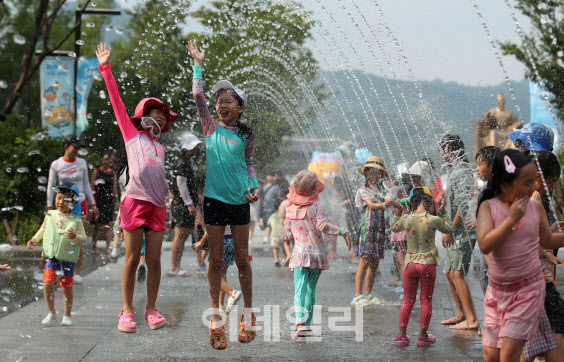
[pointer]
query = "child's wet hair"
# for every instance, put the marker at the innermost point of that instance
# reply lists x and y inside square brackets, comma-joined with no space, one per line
[488,154]
[549,164]
[453,143]
[417,199]
[500,175]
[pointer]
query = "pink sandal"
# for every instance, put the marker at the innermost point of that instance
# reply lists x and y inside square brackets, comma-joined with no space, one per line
[155,319]
[426,341]
[402,341]
[126,323]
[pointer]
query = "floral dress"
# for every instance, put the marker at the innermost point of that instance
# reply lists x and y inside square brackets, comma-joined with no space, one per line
[372,228]
[305,226]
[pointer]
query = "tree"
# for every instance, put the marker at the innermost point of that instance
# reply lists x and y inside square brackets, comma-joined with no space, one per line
[541,51]
[30,26]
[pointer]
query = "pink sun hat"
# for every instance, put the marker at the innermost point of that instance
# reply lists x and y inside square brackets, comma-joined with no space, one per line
[305,189]
[148,102]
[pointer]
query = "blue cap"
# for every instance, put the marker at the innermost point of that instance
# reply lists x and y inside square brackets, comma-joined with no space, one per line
[541,137]
[70,189]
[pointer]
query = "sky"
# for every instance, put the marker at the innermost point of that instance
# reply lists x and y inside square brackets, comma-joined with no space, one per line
[441,39]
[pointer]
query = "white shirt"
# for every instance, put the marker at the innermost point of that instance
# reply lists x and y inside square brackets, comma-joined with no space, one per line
[66,171]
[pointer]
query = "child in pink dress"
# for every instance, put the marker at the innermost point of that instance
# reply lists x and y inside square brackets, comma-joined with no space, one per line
[510,229]
[143,209]
[305,223]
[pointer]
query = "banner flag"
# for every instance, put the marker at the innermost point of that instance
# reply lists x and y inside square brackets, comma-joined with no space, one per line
[87,73]
[57,103]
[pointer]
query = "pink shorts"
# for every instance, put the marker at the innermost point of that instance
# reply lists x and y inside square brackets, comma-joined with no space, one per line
[137,213]
[513,310]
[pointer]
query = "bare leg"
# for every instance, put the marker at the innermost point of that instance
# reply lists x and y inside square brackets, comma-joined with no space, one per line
[555,354]
[49,293]
[372,262]
[460,316]
[276,256]
[78,264]
[142,258]
[133,242]
[360,274]
[466,299]
[241,242]
[511,349]
[180,236]
[67,296]
[108,232]
[251,230]
[402,331]
[215,242]
[153,244]
[95,234]
[491,354]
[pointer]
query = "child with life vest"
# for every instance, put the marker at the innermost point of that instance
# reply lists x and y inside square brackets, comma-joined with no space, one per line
[62,233]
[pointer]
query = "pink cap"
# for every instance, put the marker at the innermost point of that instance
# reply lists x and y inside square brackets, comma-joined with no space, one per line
[148,102]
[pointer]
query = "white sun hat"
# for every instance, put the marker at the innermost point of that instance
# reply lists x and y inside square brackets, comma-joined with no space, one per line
[224,84]
[189,141]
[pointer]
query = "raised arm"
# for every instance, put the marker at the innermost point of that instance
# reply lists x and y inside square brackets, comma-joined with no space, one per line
[128,131]
[209,125]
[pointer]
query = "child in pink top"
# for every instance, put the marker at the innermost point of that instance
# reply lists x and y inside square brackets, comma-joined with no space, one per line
[510,229]
[143,208]
[305,223]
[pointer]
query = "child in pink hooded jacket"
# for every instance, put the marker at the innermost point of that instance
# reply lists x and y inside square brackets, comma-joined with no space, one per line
[305,223]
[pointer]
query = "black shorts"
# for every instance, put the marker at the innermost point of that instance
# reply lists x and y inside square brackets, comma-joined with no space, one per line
[181,218]
[219,213]
[554,306]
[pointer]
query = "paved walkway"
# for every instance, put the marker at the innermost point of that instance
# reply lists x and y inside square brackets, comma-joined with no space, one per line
[94,335]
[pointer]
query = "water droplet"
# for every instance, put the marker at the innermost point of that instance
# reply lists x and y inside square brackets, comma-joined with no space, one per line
[72,54]
[34,152]
[59,272]
[71,252]
[123,75]
[90,25]
[560,53]
[48,113]
[102,94]
[14,238]
[83,152]
[3,84]
[22,170]
[19,39]
[4,309]
[42,179]
[97,76]
[99,181]
[19,208]
[109,28]
[79,42]
[118,30]
[37,137]
[9,169]
[42,188]
[56,83]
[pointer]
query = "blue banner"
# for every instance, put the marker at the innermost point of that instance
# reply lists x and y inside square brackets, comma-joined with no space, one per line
[57,107]
[87,73]
[540,111]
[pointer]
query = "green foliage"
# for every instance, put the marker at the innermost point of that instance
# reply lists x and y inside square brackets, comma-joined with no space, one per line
[543,47]
[21,166]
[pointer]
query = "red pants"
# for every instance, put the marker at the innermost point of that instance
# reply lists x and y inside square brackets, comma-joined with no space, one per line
[413,274]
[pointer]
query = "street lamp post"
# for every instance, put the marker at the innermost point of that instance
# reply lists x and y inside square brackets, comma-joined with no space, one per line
[77,36]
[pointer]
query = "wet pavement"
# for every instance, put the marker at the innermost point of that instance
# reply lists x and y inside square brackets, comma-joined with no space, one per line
[345,332]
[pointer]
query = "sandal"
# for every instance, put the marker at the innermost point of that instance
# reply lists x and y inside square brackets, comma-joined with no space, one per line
[247,334]
[218,340]
[155,319]
[426,341]
[360,300]
[372,299]
[402,341]
[301,332]
[126,323]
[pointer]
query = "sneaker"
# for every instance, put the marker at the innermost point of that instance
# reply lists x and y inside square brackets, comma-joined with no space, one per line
[201,270]
[232,300]
[141,273]
[67,321]
[115,253]
[51,317]
[77,279]
[277,264]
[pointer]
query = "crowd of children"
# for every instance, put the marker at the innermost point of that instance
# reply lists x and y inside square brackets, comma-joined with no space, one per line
[511,219]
